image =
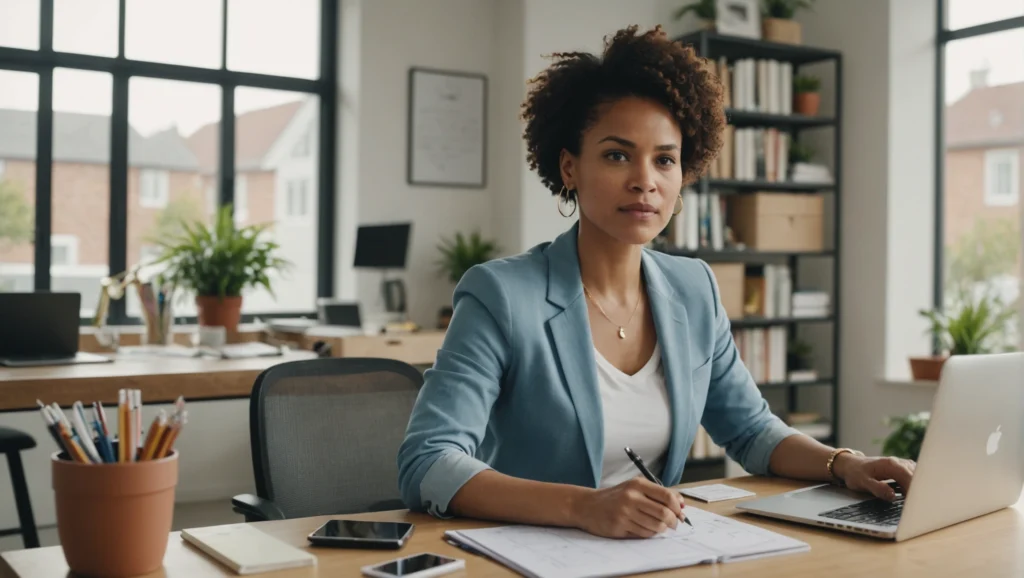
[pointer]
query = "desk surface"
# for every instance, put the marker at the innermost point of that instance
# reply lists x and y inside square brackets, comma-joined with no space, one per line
[161,379]
[991,546]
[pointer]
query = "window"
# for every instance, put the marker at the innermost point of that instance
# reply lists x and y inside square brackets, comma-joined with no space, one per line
[295,203]
[978,226]
[149,253]
[1002,177]
[63,250]
[138,133]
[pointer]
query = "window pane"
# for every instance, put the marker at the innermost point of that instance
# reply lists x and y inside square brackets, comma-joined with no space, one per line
[174,31]
[19,24]
[85,26]
[172,162]
[18,104]
[268,125]
[81,183]
[964,13]
[984,132]
[274,37]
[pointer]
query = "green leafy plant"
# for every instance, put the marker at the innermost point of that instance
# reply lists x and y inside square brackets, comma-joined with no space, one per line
[704,9]
[784,8]
[221,259]
[800,153]
[973,329]
[806,83]
[904,441]
[799,355]
[462,252]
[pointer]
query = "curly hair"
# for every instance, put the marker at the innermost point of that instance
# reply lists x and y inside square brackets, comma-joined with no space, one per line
[563,99]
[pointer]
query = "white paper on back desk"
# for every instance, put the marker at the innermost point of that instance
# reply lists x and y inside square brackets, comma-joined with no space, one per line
[541,552]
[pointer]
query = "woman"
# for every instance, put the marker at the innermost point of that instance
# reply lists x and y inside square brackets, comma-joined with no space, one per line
[557,359]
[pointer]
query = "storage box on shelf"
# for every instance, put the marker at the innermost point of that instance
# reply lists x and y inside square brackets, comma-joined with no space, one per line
[778,222]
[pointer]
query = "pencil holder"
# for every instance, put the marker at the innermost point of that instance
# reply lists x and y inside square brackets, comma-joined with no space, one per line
[114,519]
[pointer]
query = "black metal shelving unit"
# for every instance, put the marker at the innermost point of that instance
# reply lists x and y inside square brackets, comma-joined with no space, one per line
[714,46]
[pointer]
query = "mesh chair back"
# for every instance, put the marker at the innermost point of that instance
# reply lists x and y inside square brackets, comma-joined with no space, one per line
[325,433]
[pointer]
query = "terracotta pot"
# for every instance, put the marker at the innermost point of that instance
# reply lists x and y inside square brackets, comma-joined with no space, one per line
[114,519]
[781,30]
[220,311]
[927,368]
[806,103]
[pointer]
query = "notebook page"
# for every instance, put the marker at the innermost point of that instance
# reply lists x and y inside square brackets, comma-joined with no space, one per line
[567,553]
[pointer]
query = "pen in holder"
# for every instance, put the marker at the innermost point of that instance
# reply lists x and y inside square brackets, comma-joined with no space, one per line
[157,312]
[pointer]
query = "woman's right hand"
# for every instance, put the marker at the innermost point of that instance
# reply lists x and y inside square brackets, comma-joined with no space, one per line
[633,509]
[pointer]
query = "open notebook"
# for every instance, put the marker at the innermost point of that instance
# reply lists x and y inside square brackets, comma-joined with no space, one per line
[541,552]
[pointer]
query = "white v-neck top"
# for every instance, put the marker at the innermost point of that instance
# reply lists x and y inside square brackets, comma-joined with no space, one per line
[636,414]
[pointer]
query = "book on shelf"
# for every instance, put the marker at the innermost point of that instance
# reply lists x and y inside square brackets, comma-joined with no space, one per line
[701,225]
[802,376]
[811,173]
[763,352]
[703,448]
[756,154]
[811,424]
[769,294]
[811,304]
[758,85]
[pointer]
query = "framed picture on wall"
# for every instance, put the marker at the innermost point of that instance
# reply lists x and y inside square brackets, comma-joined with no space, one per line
[738,18]
[447,137]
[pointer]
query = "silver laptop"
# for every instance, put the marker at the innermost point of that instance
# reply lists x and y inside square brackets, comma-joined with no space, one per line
[41,328]
[973,451]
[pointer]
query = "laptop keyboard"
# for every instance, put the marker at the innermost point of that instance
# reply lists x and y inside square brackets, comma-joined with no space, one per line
[876,511]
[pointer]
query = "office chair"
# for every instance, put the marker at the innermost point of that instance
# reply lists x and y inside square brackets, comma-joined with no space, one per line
[12,442]
[324,435]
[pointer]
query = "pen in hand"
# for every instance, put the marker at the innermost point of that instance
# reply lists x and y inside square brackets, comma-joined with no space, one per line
[639,463]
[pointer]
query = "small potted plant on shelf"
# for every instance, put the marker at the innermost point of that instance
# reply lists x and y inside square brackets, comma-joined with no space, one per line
[457,256]
[777,24]
[904,441]
[703,9]
[806,98]
[217,262]
[976,328]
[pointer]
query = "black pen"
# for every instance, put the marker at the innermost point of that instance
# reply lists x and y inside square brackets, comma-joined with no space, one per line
[639,463]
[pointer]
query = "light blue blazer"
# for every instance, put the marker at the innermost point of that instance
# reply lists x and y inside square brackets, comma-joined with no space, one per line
[514,386]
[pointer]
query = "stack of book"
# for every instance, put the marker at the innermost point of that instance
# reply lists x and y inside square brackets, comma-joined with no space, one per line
[811,424]
[811,173]
[759,85]
[703,448]
[763,352]
[810,304]
[701,225]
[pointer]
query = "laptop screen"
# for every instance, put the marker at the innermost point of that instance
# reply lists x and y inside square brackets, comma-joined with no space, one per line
[39,324]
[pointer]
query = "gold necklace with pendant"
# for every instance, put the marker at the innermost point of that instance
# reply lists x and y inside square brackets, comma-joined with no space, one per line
[622,328]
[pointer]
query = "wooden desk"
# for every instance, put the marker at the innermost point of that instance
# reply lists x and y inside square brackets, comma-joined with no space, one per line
[419,348]
[989,547]
[161,379]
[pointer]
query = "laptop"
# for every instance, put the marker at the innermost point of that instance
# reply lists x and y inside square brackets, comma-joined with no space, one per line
[41,329]
[971,461]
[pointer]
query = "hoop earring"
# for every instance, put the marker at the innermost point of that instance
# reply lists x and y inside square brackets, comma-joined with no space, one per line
[563,197]
[680,209]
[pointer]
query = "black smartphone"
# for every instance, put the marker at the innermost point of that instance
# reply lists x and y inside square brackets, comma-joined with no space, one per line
[360,534]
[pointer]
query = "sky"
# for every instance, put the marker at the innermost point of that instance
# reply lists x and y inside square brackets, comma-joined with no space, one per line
[268,36]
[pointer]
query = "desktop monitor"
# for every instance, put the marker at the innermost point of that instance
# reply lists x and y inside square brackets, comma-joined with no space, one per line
[382,246]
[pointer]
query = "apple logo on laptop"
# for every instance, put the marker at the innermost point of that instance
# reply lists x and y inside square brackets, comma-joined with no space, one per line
[993,441]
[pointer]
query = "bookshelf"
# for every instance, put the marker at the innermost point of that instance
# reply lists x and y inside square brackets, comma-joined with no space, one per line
[716,46]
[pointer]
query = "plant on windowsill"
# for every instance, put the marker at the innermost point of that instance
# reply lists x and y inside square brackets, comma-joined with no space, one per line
[976,328]
[217,262]
[457,256]
[777,24]
[703,9]
[806,98]
[904,441]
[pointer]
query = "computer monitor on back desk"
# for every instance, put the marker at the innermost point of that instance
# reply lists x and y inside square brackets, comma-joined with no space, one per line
[383,247]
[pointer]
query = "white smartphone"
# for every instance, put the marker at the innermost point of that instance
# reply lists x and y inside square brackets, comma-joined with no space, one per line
[415,566]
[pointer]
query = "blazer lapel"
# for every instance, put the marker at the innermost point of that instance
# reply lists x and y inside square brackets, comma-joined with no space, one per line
[672,327]
[570,336]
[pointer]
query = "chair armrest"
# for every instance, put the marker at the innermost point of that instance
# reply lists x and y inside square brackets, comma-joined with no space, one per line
[387,505]
[255,508]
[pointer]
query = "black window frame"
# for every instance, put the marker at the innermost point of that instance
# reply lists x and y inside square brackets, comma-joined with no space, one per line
[43,62]
[943,37]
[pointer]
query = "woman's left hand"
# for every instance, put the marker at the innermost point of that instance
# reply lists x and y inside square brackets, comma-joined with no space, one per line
[868,474]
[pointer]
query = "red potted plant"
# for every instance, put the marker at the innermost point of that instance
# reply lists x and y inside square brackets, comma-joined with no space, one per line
[217,262]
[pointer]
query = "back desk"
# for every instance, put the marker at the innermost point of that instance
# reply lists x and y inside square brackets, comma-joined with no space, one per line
[988,547]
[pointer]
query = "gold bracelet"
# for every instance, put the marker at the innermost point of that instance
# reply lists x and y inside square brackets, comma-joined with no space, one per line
[831,462]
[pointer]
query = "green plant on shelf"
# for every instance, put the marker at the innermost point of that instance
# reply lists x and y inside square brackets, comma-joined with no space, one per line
[806,83]
[799,355]
[704,9]
[800,152]
[784,8]
[906,435]
[976,328]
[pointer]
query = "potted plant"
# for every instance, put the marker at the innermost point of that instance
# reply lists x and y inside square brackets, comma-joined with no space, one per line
[703,9]
[457,256]
[777,22]
[216,263]
[904,441]
[800,152]
[800,361]
[975,328]
[806,99]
